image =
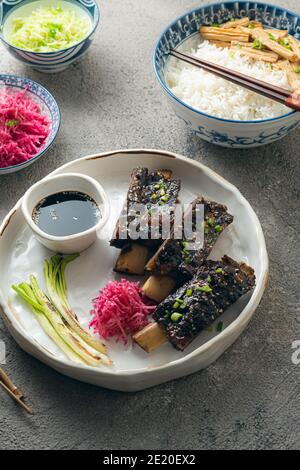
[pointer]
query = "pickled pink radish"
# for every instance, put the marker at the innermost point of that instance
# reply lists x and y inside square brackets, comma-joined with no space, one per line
[120,310]
[23,127]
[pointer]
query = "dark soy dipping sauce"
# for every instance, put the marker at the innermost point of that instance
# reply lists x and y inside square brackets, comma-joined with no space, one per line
[66,213]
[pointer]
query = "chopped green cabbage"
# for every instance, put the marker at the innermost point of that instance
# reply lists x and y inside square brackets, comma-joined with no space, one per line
[49,29]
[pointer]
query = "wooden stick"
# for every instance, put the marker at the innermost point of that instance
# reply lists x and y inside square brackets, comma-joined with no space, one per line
[14,397]
[13,388]
[292,100]
[151,337]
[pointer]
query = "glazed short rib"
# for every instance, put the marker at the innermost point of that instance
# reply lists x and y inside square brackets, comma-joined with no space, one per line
[150,189]
[197,304]
[175,258]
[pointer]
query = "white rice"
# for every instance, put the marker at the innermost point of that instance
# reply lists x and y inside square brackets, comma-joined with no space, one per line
[218,97]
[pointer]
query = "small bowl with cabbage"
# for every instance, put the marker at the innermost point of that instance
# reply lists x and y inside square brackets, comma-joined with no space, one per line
[49,35]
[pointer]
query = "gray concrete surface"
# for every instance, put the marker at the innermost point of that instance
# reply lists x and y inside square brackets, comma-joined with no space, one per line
[250,397]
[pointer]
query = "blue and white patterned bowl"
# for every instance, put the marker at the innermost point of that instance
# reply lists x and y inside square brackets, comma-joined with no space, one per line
[50,62]
[48,106]
[227,133]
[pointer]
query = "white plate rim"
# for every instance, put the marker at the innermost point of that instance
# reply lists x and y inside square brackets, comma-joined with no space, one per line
[242,320]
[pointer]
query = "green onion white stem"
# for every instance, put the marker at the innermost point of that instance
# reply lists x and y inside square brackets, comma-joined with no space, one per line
[39,302]
[54,273]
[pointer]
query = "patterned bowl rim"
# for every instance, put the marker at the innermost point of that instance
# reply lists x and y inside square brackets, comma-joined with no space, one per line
[54,130]
[169,92]
[45,54]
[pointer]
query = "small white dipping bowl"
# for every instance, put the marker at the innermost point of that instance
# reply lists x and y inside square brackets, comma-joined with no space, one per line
[67,182]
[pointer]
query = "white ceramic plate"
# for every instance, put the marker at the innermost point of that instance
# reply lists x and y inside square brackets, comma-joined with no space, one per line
[21,255]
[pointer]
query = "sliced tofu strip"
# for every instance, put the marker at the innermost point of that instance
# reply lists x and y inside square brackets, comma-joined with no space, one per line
[293,76]
[221,44]
[251,25]
[295,46]
[242,44]
[265,56]
[235,23]
[277,33]
[264,38]
[227,35]
[281,65]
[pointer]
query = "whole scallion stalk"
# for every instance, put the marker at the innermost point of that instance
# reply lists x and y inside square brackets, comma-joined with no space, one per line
[25,291]
[54,273]
[37,299]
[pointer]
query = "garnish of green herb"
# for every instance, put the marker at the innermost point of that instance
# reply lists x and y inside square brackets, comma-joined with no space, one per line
[297,69]
[12,122]
[162,192]
[215,25]
[154,196]
[210,221]
[251,26]
[205,288]
[176,305]
[218,228]
[271,36]
[165,198]
[183,306]
[209,279]
[257,44]
[285,43]
[175,317]
[189,293]
[219,271]
[157,186]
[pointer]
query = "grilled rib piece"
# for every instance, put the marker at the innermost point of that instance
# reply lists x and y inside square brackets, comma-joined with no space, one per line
[149,189]
[173,258]
[216,286]
[196,305]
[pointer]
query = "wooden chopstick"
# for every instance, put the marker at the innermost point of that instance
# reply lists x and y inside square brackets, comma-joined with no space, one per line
[13,391]
[292,100]
[9,383]
[14,397]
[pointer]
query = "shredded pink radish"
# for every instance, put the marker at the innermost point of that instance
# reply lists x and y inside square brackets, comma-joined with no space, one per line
[23,128]
[120,310]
